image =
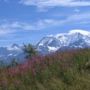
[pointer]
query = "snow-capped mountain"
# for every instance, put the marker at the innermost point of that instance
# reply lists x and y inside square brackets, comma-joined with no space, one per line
[7,54]
[72,39]
[51,43]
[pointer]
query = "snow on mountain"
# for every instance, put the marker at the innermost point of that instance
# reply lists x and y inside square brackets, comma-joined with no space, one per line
[72,39]
[7,54]
[48,44]
[14,47]
[79,31]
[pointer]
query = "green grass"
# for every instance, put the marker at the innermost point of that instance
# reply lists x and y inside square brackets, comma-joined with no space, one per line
[60,71]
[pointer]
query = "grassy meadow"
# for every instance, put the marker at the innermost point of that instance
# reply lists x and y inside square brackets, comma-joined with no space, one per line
[68,70]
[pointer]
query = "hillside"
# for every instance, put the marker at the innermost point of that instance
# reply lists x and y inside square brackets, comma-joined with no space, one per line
[68,70]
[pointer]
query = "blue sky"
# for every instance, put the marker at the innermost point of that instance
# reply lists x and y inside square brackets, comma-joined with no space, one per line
[27,21]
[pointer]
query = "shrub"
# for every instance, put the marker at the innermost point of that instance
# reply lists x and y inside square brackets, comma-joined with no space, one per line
[30,50]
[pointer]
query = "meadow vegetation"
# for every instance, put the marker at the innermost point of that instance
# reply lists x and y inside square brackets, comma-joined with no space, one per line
[69,70]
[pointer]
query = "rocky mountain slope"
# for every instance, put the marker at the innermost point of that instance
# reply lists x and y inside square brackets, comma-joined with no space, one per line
[72,39]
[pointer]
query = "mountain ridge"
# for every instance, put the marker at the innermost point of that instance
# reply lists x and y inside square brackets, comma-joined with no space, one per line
[72,39]
[51,43]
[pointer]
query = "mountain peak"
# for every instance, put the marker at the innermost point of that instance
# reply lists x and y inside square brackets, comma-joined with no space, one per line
[84,32]
[73,39]
[15,45]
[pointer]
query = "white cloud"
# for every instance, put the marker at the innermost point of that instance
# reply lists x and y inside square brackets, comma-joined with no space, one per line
[8,28]
[52,3]
[3,32]
[79,17]
[12,27]
[15,26]
[72,19]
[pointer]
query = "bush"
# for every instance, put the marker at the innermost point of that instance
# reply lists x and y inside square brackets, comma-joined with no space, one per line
[30,50]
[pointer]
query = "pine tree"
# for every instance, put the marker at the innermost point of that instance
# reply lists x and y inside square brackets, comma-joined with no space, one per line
[30,50]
